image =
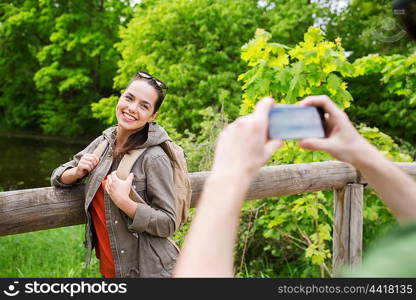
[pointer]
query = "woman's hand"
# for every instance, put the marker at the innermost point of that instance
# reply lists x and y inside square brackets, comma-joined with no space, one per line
[87,163]
[119,191]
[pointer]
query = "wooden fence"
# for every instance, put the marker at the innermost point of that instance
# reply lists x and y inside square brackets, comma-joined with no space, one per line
[49,207]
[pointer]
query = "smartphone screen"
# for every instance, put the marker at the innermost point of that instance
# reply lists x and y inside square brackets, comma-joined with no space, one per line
[295,122]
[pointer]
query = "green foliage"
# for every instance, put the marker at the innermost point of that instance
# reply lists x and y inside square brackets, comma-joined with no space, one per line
[368,27]
[312,67]
[105,110]
[21,38]
[395,95]
[199,148]
[298,228]
[194,47]
[179,236]
[398,73]
[377,218]
[385,144]
[79,63]
[56,58]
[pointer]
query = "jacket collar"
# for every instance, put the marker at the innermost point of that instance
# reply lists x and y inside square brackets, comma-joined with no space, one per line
[156,135]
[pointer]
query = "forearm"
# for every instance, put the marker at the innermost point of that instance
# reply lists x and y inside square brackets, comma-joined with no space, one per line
[69,176]
[209,245]
[397,189]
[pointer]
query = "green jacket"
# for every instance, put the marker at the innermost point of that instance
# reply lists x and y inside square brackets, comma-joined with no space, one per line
[391,256]
[139,245]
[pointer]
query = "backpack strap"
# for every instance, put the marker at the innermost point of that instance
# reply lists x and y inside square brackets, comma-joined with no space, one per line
[167,147]
[124,168]
[123,171]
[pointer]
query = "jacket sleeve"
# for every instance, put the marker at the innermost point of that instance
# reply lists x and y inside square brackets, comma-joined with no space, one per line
[159,217]
[57,173]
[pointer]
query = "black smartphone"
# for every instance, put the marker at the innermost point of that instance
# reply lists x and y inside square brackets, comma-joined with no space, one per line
[295,122]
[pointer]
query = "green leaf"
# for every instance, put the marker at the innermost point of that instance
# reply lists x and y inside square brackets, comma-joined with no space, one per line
[295,83]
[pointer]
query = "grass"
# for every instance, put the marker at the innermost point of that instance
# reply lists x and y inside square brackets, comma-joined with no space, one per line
[57,253]
[53,253]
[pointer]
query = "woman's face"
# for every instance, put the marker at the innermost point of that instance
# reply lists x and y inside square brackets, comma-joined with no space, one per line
[136,106]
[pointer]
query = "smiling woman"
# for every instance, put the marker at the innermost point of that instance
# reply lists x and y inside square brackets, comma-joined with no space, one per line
[129,237]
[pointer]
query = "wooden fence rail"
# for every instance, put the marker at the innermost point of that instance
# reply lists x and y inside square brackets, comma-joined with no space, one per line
[49,207]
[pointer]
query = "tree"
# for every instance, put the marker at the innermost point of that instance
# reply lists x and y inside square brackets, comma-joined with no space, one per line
[369,27]
[21,37]
[384,85]
[194,46]
[392,80]
[79,62]
[56,58]
[303,222]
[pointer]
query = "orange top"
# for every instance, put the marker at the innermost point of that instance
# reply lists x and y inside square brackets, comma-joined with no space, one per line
[102,245]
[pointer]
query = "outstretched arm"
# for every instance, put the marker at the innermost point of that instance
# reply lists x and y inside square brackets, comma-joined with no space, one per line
[242,148]
[397,189]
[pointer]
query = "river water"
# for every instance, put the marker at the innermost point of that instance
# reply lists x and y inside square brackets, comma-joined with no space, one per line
[28,161]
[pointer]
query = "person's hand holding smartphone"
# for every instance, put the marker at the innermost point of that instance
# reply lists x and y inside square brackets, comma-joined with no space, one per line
[296,122]
[342,139]
[320,125]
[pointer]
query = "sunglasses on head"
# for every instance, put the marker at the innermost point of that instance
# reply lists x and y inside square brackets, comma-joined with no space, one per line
[145,75]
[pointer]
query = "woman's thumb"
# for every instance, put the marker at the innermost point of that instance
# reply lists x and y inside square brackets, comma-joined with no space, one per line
[130,178]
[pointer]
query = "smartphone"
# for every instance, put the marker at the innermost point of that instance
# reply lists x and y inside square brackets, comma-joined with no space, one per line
[295,122]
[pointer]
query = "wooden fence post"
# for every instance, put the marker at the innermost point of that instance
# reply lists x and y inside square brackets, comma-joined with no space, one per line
[348,227]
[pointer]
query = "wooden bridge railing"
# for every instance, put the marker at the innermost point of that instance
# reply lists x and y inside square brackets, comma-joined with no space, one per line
[49,207]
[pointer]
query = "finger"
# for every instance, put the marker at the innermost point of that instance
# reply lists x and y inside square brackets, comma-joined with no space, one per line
[92,159]
[130,178]
[84,166]
[88,157]
[114,176]
[237,122]
[229,129]
[271,147]
[86,161]
[90,166]
[315,144]
[324,102]
[263,107]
